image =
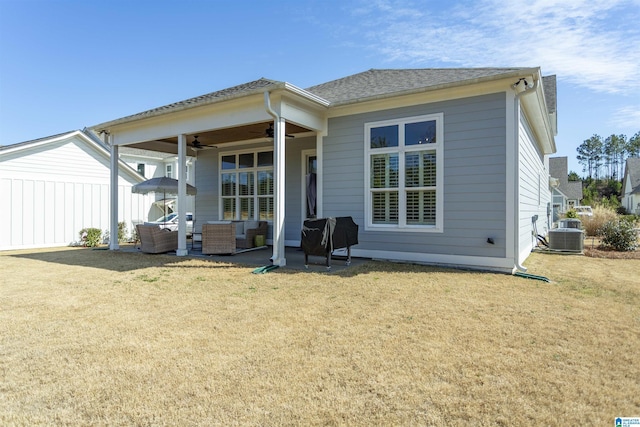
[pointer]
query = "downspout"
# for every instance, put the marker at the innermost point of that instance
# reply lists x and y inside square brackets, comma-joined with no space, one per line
[267,106]
[516,107]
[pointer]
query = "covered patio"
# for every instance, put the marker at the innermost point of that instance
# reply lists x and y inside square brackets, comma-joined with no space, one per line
[240,137]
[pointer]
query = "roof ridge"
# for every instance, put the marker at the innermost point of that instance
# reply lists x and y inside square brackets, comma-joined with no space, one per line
[33,141]
[376,83]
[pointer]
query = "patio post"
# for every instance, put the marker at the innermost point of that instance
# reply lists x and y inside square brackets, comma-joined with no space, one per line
[182,196]
[279,137]
[319,174]
[113,194]
[279,166]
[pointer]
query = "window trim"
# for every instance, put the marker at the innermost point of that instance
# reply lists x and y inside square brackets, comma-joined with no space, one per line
[256,170]
[401,149]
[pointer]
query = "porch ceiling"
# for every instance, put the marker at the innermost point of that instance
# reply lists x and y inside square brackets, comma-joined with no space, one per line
[218,137]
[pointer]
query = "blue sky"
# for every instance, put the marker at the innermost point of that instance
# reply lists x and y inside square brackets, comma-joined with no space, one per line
[67,64]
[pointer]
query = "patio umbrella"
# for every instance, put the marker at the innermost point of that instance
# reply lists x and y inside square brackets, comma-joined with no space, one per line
[162,185]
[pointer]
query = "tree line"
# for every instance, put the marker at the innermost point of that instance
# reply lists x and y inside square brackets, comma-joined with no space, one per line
[606,158]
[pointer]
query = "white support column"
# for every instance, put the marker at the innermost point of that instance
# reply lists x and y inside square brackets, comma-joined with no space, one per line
[182,196]
[319,176]
[279,170]
[113,193]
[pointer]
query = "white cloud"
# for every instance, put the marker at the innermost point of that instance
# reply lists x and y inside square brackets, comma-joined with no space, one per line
[592,43]
[628,118]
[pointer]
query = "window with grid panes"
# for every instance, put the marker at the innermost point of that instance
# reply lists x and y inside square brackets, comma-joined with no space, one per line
[246,185]
[404,168]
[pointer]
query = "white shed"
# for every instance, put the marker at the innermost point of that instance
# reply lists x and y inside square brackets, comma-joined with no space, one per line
[54,187]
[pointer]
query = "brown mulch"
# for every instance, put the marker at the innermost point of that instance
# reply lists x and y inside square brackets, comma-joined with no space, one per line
[594,249]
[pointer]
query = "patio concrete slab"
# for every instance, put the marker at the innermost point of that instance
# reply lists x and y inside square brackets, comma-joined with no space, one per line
[260,257]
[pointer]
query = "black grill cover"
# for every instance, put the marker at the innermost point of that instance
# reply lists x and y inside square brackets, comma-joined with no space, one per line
[322,236]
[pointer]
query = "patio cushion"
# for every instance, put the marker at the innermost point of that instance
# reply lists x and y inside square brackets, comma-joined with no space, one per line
[251,230]
[240,228]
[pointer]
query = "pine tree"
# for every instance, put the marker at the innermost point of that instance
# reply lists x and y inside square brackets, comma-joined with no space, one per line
[590,154]
[633,145]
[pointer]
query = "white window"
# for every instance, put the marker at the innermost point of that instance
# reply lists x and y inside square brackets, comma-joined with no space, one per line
[169,171]
[404,174]
[141,168]
[246,185]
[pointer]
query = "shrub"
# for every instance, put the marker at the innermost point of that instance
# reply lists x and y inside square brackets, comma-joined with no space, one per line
[619,235]
[571,213]
[90,236]
[601,215]
[122,231]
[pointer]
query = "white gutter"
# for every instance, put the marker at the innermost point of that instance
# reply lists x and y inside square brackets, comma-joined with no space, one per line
[516,104]
[267,106]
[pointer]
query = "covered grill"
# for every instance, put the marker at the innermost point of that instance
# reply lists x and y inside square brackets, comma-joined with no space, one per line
[322,236]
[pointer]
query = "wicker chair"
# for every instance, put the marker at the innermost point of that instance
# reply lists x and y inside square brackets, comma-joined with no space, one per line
[155,240]
[247,239]
[218,238]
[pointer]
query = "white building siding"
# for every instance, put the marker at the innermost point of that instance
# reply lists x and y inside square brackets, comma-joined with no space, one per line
[155,166]
[534,192]
[55,190]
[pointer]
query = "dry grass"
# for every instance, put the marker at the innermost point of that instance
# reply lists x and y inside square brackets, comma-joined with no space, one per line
[601,215]
[101,338]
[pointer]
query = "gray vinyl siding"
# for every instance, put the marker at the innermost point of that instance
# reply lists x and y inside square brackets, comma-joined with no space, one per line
[293,181]
[474,177]
[534,193]
[207,176]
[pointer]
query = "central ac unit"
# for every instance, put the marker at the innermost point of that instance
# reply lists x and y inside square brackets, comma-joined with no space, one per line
[566,239]
[570,223]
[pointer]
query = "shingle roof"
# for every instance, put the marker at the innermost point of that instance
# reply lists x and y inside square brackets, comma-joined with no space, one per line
[573,190]
[384,82]
[371,84]
[550,92]
[233,92]
[558,168]
[633,172]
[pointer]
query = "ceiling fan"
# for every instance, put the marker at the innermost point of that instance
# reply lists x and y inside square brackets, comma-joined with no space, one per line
[268,132]
[197,145]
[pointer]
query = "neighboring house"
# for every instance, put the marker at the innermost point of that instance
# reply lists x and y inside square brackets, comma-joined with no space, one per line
[566,194]
[54,187]
[151,164]
[631,186]
[442,166]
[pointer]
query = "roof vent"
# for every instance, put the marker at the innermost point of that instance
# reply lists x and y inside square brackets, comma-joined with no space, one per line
[566,240]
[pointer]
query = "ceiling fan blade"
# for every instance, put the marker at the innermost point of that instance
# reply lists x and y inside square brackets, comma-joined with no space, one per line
[197,145]
[270,130]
